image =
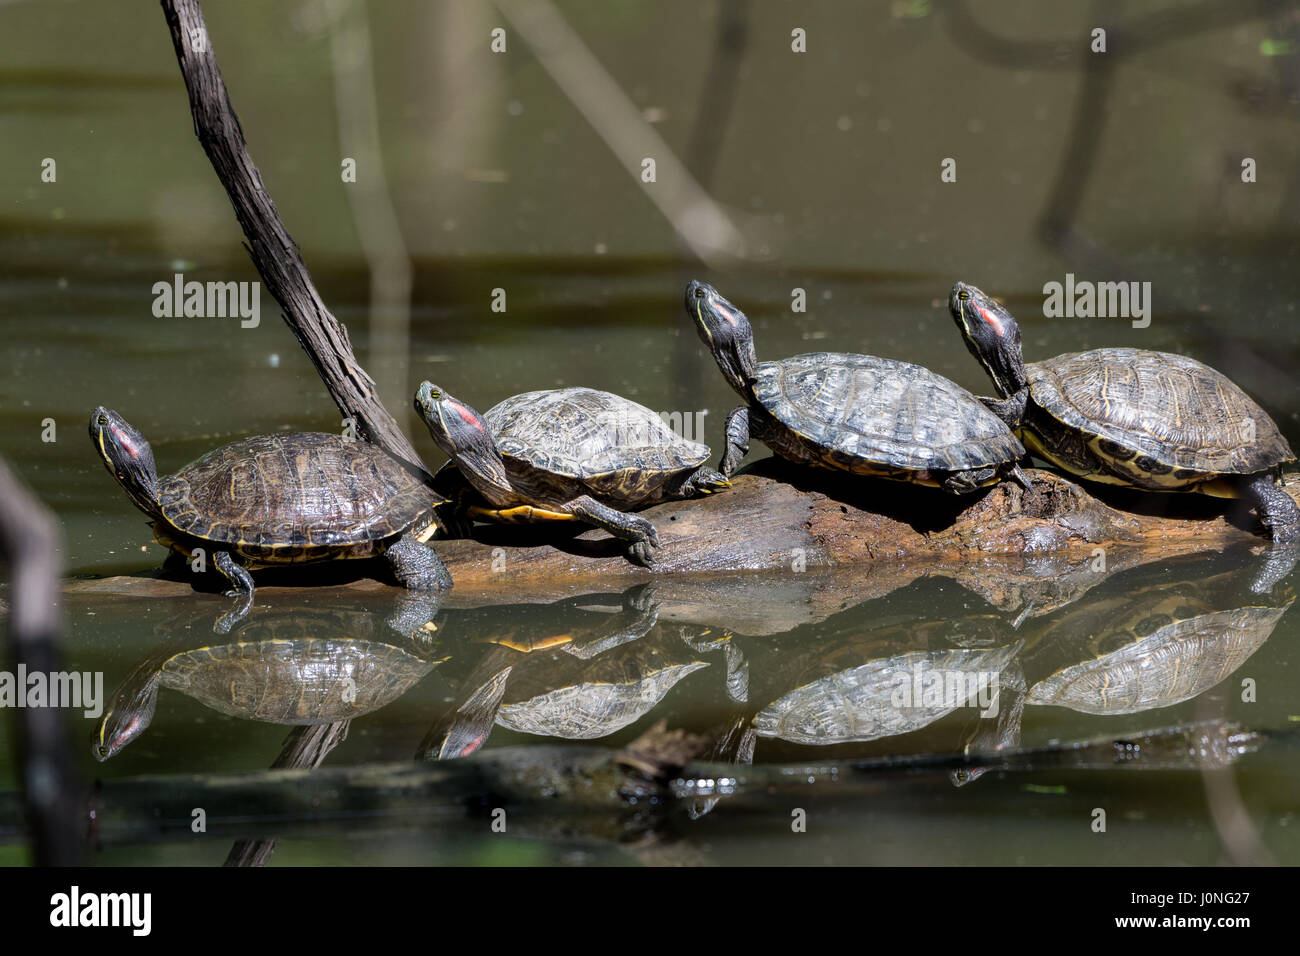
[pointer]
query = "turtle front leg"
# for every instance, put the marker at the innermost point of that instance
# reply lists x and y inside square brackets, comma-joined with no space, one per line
[1277,511]
[236,574]
[412,617]
[638,602]
[702,481]
[243,589]
[1010,410]
[641,533]
[417,566]
[455,517]
[454,512]
[737,440]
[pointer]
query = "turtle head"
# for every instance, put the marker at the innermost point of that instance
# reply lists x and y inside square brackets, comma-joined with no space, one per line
[991,334]
[127,456]
[727,333]
[464,437]
[129,713]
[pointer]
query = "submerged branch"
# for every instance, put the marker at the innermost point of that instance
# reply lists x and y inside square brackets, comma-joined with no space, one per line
[595,791]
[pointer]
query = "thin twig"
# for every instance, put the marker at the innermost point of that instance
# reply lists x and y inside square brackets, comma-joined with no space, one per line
[700,221]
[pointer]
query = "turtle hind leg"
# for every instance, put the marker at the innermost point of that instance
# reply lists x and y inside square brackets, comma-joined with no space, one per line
[640,534]
[702,481]
[417,566]
[176,562]
[1277,511]
[1018,474]
[737,440]
[964,482]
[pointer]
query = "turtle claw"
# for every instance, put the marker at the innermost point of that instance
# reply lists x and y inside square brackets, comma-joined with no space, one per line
[641,553]
[643,546]
[640,598]
[705,481]
[731,461]
[413,614]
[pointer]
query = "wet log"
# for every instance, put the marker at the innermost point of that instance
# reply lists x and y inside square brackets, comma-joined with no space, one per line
[822,540]
[780,517]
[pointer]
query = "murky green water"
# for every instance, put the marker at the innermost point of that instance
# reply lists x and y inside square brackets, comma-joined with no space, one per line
[833,159]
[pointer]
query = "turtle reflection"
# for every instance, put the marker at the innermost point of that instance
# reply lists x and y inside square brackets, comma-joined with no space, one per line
[294,666]
[571,671]
[875,671]
[1145,641]
[886,697]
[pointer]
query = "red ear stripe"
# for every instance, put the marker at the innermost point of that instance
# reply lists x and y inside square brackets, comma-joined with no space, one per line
[991,319]
[726,314]
[125,441]
[466,414]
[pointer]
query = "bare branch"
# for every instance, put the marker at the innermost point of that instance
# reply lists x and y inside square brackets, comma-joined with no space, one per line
[272,249]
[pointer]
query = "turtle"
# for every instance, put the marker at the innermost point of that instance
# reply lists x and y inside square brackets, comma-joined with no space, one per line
[569,454]
[1157,421]
[288,498]
[294,667]
[856,413]
[877,670]
[566,670]
[1151,646]
[883,697]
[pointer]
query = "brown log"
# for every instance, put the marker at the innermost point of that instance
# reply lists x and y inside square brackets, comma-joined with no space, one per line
[855,539]
[777,514]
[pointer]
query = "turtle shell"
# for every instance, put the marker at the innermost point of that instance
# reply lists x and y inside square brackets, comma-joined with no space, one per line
[1173,663]
[875,699]
[1162,411]
[878,411]
[295,682]
[606,442]
[578,699]
[593,708]
[296,496]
